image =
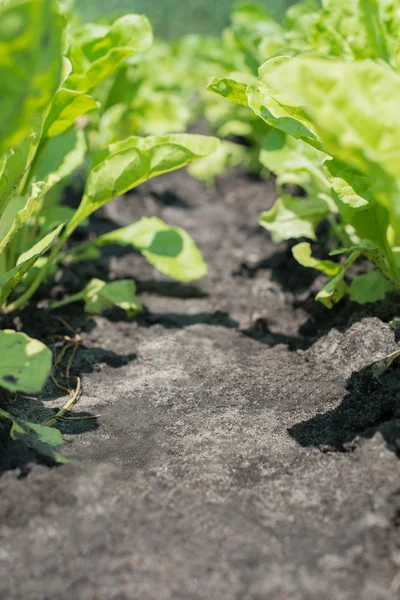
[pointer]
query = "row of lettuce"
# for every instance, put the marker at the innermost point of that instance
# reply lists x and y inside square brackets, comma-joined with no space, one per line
[312,100]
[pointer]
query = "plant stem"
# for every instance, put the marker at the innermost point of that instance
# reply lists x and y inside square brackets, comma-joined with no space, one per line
[68,300]
[39,278]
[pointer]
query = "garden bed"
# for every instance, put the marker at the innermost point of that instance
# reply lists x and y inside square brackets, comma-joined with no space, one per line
[243,448]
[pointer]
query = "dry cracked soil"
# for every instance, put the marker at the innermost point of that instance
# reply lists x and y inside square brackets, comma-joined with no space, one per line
[242,447]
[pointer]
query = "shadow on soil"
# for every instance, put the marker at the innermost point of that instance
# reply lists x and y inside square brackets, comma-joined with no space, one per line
[372,404]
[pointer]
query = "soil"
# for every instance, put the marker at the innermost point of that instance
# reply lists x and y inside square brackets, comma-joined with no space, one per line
[242,447]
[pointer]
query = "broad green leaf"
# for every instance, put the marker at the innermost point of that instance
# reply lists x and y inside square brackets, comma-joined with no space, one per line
[352,187]
[100,296]
[169,249]
[60,156]
[10,279]
[358,132]
[19,210]
[124,165]
[15,164]
[7,219]
[25,364]
[67,106]
[232,90]
[44,440]
[377,38]
[370,287]
[227,156]
[351,29]
[303,255]
[30,66]
[51,217]
[97,51]
[265,106]
[292,217]
[293,160]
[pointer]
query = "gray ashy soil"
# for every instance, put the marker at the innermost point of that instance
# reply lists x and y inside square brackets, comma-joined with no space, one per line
[243,451]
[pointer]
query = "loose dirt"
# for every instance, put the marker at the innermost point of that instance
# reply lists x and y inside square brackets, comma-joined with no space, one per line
[243,449]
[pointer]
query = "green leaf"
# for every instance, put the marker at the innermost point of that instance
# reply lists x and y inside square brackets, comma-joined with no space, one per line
[44,440]
[10,279]
[30,65]
[337,287]
[370,287]
[100,296]
[97,51]
[15,163]
[124,165]
[169,249]
[303,255]
[373,253]
[352,187]
[53,216]
[66,107]
[232,90]
[25,364]
[227,156]
[60,156]
[19,210]
[294,161]
[292,217]
[358,133]
[333,291]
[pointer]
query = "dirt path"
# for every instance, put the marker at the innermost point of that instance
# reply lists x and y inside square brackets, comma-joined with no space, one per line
[243,450]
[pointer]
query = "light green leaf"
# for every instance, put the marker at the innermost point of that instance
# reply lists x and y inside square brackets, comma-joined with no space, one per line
[337,287]
[124,165]
[377,37]
[97,51]
[232,90]
[100,296]
[15,163]
[370,287]
[169,249]
[359,132]
[352,187]
[44,440]
[19,210]
[333,291]
[67,106]
[227,156]
[303,255]
[10,279]
[30,65]
[25,364]
[60,156]
[53,216]
[292,217]
[294,160]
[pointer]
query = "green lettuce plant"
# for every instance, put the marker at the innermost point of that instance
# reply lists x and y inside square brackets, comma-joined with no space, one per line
[163,90]
[51,69]
[49,72]
[329,93]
